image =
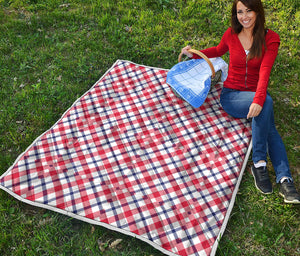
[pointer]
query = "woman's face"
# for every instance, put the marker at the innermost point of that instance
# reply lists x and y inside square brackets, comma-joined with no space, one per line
[245,16]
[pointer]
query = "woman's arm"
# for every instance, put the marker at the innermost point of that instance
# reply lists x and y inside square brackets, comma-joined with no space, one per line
[265,71]
[211,52]
[270,55]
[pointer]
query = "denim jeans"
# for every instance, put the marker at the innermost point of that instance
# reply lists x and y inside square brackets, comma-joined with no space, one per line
[265,137]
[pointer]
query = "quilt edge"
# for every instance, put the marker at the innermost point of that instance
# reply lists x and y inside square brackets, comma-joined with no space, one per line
[232,201]
[87,220]
[142,65]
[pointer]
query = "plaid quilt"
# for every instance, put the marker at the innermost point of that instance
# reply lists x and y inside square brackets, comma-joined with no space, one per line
[131,156]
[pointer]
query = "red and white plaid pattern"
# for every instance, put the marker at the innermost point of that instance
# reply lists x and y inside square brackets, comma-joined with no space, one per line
[132,155]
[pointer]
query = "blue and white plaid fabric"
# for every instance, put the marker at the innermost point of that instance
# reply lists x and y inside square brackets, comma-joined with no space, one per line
[192,79]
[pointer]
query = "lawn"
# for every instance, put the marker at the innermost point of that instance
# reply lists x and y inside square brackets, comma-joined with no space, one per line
[52,51]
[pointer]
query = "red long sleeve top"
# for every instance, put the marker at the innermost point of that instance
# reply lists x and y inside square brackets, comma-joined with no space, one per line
[246,75]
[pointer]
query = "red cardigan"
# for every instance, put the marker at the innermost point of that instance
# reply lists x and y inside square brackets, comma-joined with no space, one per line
[252,75]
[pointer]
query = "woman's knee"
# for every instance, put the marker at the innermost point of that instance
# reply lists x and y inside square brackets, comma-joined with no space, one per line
[267,110]
[269,99]
[268,105]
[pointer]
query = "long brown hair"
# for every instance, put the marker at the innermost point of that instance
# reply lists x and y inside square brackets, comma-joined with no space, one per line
[259,27]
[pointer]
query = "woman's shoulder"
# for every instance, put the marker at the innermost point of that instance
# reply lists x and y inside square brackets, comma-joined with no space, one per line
[228,33]
[271,36]
[229,30]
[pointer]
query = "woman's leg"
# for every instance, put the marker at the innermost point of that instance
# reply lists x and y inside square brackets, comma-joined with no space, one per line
[260,131]
[277,153]
[265,137]
[236,104]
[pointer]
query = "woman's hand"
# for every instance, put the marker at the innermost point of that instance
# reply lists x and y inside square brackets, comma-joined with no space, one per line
[254,110]
[185,51]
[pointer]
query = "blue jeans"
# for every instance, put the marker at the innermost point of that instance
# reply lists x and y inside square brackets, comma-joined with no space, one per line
[265,137]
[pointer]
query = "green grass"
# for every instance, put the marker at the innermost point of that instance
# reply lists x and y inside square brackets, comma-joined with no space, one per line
[52,51]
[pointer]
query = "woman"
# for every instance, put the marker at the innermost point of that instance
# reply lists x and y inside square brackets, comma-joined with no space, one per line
[253,50]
